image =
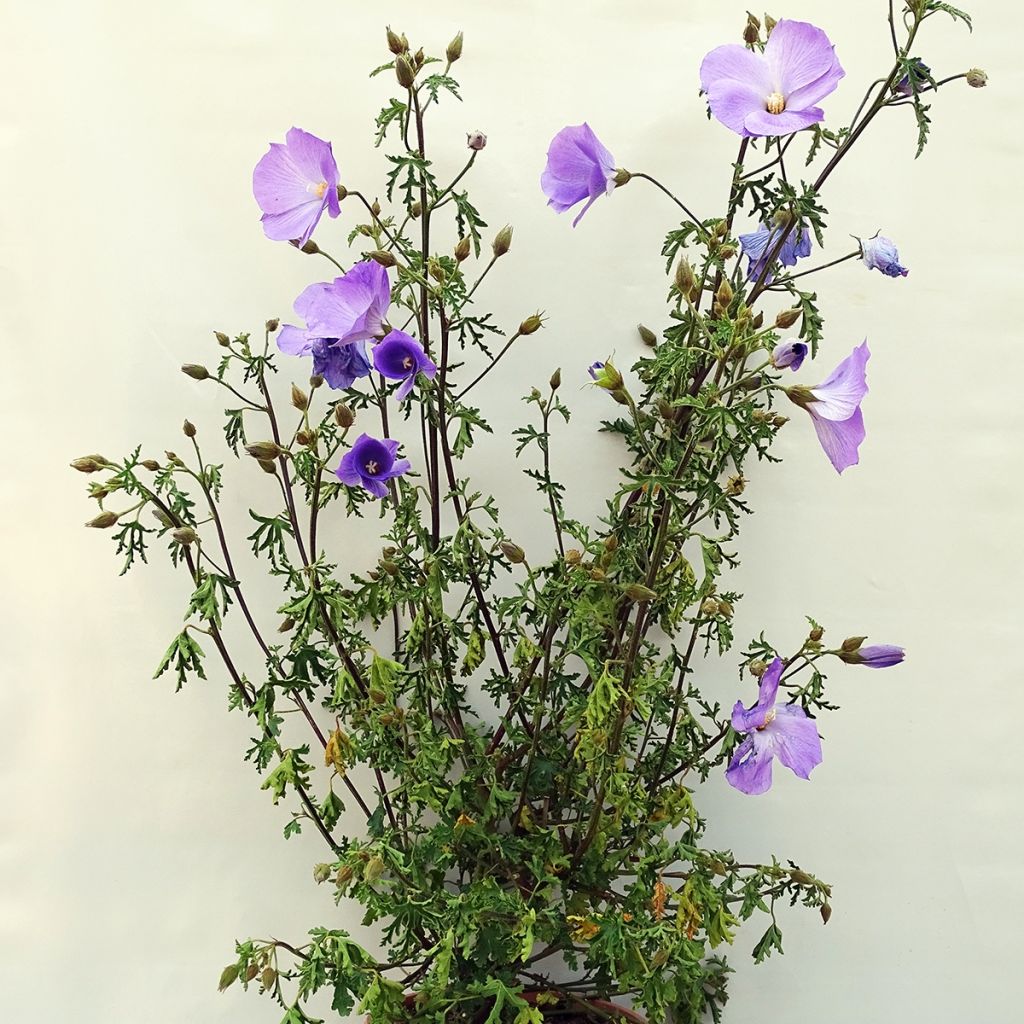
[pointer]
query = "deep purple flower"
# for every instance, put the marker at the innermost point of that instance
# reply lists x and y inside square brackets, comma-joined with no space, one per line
[294,183]
[772,730]
[339,365]
[791,353]
[370,462]
[758,244]
[834,406]
[879,253]
[401,357]
[875,656]
[773,93]
[578,168]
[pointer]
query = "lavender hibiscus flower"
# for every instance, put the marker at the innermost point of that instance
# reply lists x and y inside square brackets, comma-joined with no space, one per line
[879,253]
[834,406]
[874,656]
[791,353]
[579,168]
[401,357]
[757,245]
[772,730]
[294,183]
[370,463]
[775,92]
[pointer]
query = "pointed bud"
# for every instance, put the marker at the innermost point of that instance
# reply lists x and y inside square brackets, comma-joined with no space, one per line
[311,248]
[419,57]
[344,874]
[416,209]
[852,644]
[724,295]
[513,552]
[344,416]
[436,270]
[788,317]
[86,465]
[606,376]
[769,23]
[287,625]
[752,30]
[268,466]
[502,241]
[305,437]
[556,379]
[316,381]
[462,250]
[299,398]
[264,450]
[396,43]
[647,336]
[272,325]
[151,464]
[267,978]
[195,371]
[251,971]
[780,421]
[321,872]
[531,324]
[103,521]
[725,609]
[404,71]
[758,322]
[222,339]
[685,281]
[185,535]
[163,518]
[188,429]
[476,141]
[373,870]
[639,593]
[816,634]
[227,977]
[454,51]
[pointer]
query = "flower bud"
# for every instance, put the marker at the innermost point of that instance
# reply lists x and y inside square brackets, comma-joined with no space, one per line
[724,295]
[977,79]
[780,421]
[311,248]
[476,141]
[436,270]
[752,30]
[188,429]
[264,450]
[454,51]
[396,44]
[373,870]
[597,575]
[816,634]
[573,556]
[462,250]
[173,459]
[725,609]
[151,464]
[606,376]
[639,593]
[416,209]
[344,416]
[344,874]
[86,465]
[513,552]
[267,978]
[287,625]
[272,324]
[735,485]
[321,872]
[163,518]
[622,177]
[404,71]
[195,371]
[769,24]
[787,317]
[757,668]
[268,466]
[419,57]
[103,521]
[185,535]
[852,644]
[299,398]
[305,437]
[647,336]
[758,320]
[502,241]
[826,912]
[383,257]
[222,339]
[685,280]
[556,379]
[316,381]
[709,607]
[227,977]
[531,324]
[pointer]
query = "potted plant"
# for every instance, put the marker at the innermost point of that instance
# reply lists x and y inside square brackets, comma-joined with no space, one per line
[521,729]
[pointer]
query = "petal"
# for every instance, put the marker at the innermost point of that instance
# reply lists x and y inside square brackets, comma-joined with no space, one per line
[278,185]
[761,123]
[294,341]
[296,223]
[798,54]
[404,388]
[746,720]
[750,769]
[312,156]
[347,472]
[734,102]
[401,466]
[811,95]
[841,440]
[738,64]
[795,739]
[840,394]
[309,297]
[881,656]
[376,487]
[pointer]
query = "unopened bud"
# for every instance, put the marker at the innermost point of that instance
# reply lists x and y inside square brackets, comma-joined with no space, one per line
[597,575]
[103,521]
[268,466]
[151,464]
[344,874]
[725,609]
[264,450]
[419,57]
[531,324]
[851,644]
[272,324]
[780,421]
[513,552]
[573,556]
[724,295]
[502,241]
[396,44]
[321,872]
[476,141]
[606,376]
[373,870]
[404,71]
[222,339]
[977,79]
[316,381]
[311,248]
[787,317]
[769,23]
[801,877]
[709,607]
[639,593]
[454,51]
[195,371]
[436,270]
[647,336]
[462,250]
[735,485]
[267,978]
[685,280]
[227,977]
[163,518]
[816,634]
[416,209]
[556,380]
[757,668]
[287,625]
[185,535]
[173,459]
[826,913]
[299,398]
[383,257]
[86,465]
[344,416]
[752,30]
[758,322]
[188,429]
[305,437]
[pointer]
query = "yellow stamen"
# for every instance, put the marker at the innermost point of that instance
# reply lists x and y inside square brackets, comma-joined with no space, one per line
[776,103]
[318,189]
[768,719]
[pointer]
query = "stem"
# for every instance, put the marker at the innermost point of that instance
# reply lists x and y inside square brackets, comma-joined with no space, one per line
[682,206]
[494,362]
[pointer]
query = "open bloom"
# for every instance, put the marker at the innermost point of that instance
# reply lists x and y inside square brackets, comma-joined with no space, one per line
[879,253]
[294,183]
[775,92]
[758,245]
[834,406]
[874,656]
[791,353]
[579,168]
[772,730]
[370,463]
[401,357]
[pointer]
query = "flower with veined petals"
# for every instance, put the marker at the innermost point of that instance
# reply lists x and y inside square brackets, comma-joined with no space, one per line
[579,168]
[791,353]
[294,183]
[339,364]
[879,253]
[370,463]
[874,656]
[772,730]
[775,92]
[757,245]
[401,357]
[834,406]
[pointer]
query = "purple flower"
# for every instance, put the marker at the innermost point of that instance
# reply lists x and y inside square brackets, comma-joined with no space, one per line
[294,183]
[369,463]
[772,730]
[879,253]
[758,244]
[876,656]
[578,168]
[919,72]
[834,406]
[773,93]
[401,357]
[789,353]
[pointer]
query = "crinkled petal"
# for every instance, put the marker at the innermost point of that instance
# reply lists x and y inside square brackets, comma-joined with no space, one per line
[844,389]
[294,341]
[750,768]
[764,124]
[795,739]
[733,102]
[738,64]
[747,720]
[312,156]
[578,168]
[798,54]
[840,439]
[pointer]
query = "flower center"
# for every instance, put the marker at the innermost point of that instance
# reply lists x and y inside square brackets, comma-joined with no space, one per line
[372,466]
[319,188]
[775,103]
[768,719]
[407,363]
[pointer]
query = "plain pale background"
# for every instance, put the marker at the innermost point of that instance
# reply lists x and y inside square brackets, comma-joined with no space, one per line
[134,844]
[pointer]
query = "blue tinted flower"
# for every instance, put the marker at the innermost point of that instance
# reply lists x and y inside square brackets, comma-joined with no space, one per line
[789,353]
[879,253]
[370,463]
[401,357]
[757,245]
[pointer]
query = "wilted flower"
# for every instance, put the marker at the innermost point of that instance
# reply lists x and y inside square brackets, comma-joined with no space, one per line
[579,168]
[834,406]
[401,357]
[772,93]
[370,462]
[476,141]
[772,730]
[879,253]
[294,183]
[757,245]
[875,656]
[789,353]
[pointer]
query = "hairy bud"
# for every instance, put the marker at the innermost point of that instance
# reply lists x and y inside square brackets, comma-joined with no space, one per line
[321,872]
[272,324]
[476,141]
[531,324]
[816,634]
[647,336]
[188,429]
[502,241]
[396,44]
[227,977]
[787,317]
[344,416]
[287,625]
[757,668]
[725,609]
[826,912]
[383,257]
[268,466]
[103,521]
[769,23]
[151,464]
[195,371]
[264,450]
[86,465]
[724,295]
[316,381]
[709,607]
[267,978]
[780,421]
[185,535]
[305,437]
[416,209]
[373,870]
[573,556]
[977,79]
[404,71]
[513,552]
[852,644]
[299,398]
[454,51]
[462,250]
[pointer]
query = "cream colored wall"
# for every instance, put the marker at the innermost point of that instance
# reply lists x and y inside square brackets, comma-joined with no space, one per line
[134,844]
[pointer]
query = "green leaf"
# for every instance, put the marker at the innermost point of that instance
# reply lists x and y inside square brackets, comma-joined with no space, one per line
[186,656]
[768,943]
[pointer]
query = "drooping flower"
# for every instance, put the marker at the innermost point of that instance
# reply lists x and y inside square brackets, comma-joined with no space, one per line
[758,245]
[294,183]
[775,92]
[834,406]
[340,365]
[879,253]
[772,730]
[579,168]
[916,77]
[874,656]
[401,357]
[789,353]
[370,463]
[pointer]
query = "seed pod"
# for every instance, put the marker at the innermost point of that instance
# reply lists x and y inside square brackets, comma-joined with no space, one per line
[531,324]
[195,371]
[757,668]
[685,281]
[299,398]
[103,521]
[502,241]
[287,625]
[311,248]
[265,450]
[373,870]
[826,912]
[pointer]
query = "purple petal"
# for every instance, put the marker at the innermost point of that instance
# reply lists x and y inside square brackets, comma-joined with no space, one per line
[738,64]
[880,656]
[377,487]
[401,466]
[294,341]
[798,54]
[795,739]
[790,353]
[348,471]
[750,768]
[734,102]
[353,306]
[840,439]
[840,394]
[747,720]
[763,123]
[578,168]
[298,223]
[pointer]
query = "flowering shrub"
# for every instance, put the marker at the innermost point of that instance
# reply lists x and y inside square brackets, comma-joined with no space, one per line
[524,733]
